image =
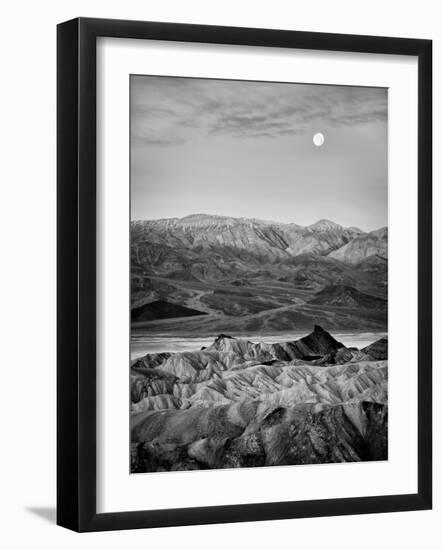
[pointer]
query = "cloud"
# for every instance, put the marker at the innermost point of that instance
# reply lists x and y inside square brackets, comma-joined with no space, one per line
[162,142]
[171,111]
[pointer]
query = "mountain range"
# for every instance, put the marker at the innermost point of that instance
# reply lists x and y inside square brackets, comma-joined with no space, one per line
[252,238]
[250,274]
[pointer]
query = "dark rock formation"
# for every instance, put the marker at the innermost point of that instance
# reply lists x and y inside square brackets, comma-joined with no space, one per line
[161,310]
[150,360]
[347,296]
[344,355]
[319,342]
[378,350]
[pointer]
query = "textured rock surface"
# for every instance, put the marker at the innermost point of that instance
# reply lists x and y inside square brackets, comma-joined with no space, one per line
[363,246]
[163,243]
[239,404]
[259,237]
[347,296]
[345,433]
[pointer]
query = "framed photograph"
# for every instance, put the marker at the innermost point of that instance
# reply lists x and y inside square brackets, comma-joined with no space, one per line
[244,274]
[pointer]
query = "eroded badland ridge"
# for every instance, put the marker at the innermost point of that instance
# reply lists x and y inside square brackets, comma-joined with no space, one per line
[239,403]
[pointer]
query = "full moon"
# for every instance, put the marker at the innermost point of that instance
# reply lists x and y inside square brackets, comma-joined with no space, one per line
[318,139]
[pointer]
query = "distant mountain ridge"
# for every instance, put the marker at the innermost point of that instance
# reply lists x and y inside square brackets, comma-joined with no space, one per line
[365,245]
[213,220]
[263,273]
[268,239]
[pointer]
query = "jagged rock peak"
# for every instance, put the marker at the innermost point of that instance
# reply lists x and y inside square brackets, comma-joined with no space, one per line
[223,337]
[318,342]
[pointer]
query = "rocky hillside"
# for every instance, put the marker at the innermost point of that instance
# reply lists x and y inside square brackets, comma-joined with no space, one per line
[347,296]
[167,243]
[259,275]
[239,403]
[363,246]
[378,350]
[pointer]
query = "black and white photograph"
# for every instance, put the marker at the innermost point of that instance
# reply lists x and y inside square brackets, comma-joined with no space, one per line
[259,263]
[226,213]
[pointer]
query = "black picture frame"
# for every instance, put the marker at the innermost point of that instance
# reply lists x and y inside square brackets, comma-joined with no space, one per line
[76,265]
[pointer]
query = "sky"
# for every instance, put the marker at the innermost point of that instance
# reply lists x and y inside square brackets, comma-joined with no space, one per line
[245,149]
